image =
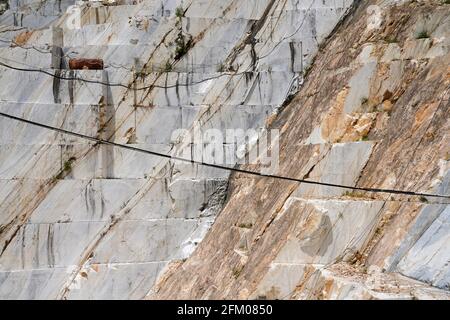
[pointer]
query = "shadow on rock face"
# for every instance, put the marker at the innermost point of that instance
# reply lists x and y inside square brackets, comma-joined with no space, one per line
[316,234]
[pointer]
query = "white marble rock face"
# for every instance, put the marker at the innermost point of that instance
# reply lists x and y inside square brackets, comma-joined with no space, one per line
[328,229]
[424,254]
[84,221]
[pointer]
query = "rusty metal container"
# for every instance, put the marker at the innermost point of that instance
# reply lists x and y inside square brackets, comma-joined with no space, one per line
[86,64]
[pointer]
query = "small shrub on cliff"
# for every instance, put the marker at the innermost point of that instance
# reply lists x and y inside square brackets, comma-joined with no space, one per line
[179,12]
[391,40]
[306,71]
[354,194]
[183,46]
[423,34]
[168,66]
[221,68]
[364,100]
[237,272]
[66,168]
[4,5]
[68,164]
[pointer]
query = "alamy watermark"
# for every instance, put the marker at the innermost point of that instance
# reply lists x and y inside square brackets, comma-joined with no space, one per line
[231,146]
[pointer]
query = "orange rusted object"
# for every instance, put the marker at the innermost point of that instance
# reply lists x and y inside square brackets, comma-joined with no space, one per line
[22,38]
[86,64]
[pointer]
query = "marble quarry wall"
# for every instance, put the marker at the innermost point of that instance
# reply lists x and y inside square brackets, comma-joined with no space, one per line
[83,220]
[373,111]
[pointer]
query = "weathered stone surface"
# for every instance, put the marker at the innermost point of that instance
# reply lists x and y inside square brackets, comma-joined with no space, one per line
[341,165]
[372,112]
[95,221]
[428,259]
[328,230]
[345,282]
[82,220]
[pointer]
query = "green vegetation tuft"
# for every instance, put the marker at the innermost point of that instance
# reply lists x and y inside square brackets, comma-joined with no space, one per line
[221,68]
[68,164]
[364,100]
[391,40]
[245,225]
[179,12]
[66,168]
[167,66]
[354,194]
[423,34]
[237,272]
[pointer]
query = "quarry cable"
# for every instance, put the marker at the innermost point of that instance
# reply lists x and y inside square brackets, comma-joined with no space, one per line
[118,84]
[221,167]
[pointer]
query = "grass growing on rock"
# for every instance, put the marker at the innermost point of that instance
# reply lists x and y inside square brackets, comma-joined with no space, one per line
[167,66]
[179,12]
[237,272]
[422,34]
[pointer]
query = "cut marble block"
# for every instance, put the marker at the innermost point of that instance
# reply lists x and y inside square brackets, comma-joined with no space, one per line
[285,56]
[429,259]
[281,280]
[342,282]
[194,198]
[231,9]
[196,171]
[40,57]
[290,5]
[107,14]
[228,117]
[37,87]
[29,15]
[294,25]
[45,161]
[79,118]
[180,199]
[216,31]
[120,163]
[32,284]
[123,57]
[423,253]
[48,245]
[341,165]
[10,192]
[261,88]
[136,241]
[85,200]
[145,123]
[328,229]
[119,32]
[115,281]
